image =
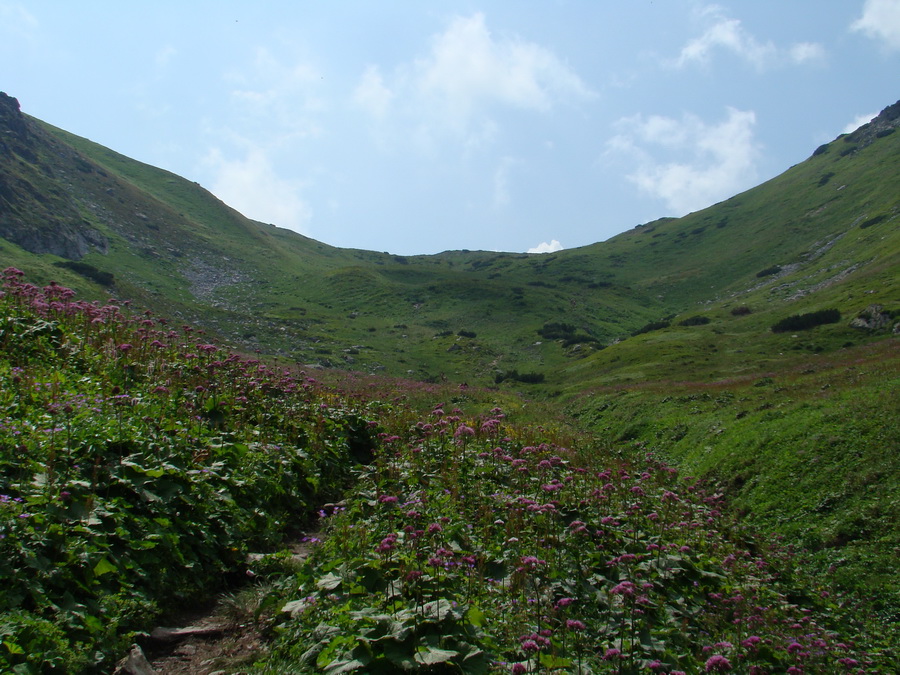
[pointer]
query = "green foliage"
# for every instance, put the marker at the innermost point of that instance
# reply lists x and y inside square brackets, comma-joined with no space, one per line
[138,465]
[463,548]
[869,222]
[650,327]
[769,271]
[516,376]
[696,320]
[88,271]
[806,321]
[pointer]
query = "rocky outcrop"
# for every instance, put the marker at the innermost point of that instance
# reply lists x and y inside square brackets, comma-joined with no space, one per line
[874,318]
[66,240]
[14,135]
[34,213]
[884,124]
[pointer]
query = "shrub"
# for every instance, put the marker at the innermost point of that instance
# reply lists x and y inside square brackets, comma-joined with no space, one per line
[822,149]
[695,321]
[553,330]
[872,221]
[805,321]
[467,334]
[87,271]
[653,325]
[743,310]
[769,271]
[525,378]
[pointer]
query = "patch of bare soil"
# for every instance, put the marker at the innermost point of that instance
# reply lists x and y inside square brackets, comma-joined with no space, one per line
[224,638]
[210,647]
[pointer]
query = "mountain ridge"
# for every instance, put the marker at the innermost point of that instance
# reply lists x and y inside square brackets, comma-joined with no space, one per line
[664,339]
[167,243]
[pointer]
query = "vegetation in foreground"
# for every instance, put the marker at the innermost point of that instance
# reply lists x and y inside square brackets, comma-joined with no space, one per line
[139,464]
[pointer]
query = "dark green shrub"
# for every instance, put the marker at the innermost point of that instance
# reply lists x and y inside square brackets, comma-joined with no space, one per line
[653,325]
[743,310]
[825,178]
[806,321]
[822,149]
[872,221]
[525,378]
[695,321]
[467,334]
[769,271]
[87,271]
[553,330]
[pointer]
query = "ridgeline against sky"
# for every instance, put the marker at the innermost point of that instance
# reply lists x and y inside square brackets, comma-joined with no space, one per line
[415,129]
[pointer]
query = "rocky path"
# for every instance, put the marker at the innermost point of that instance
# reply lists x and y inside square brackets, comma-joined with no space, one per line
[218,640]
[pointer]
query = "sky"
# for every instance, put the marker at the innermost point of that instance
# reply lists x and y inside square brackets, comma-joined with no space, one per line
[416,127]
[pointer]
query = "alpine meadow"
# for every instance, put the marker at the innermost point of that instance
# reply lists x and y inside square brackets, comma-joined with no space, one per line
[674,451]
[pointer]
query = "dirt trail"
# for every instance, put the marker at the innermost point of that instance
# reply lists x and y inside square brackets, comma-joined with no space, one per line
[219,639]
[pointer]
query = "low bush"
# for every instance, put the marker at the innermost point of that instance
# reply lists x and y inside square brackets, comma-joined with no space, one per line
[88,271]
[696,320]
[652,326]
[525,378]
[769,271]
[806,321]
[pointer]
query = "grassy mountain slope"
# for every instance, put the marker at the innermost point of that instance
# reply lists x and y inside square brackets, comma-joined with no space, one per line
[658,338]
[170,244]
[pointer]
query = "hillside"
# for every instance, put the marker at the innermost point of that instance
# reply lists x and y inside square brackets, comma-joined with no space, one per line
[144,470]
[753,345]
[825,231]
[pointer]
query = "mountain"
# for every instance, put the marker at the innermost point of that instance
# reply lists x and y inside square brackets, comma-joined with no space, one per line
[753,343]
[822,235]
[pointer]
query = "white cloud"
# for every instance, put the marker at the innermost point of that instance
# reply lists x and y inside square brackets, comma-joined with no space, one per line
[283,97]
[468,67]
[858,122]
[880,20]
[501,197]
[710,161]
[729,34]
[251,186]
[806,52]
[372,94]
[467,73]
[164,56]
[547,247]
[16,18]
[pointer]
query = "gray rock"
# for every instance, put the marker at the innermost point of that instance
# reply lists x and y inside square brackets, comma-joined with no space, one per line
[134,664]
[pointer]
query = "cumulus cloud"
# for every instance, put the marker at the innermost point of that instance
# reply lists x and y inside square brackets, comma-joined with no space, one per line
[164,56]
[857,122]
[251,186]
[372,94]
[709,162]
[501,197]
[725,33]
[806,52]
[469,67]
[880,20]
[280,95]
[547,247]
[466,74]
[15,17]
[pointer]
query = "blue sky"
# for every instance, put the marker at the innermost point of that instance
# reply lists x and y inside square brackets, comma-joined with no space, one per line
[417,127]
